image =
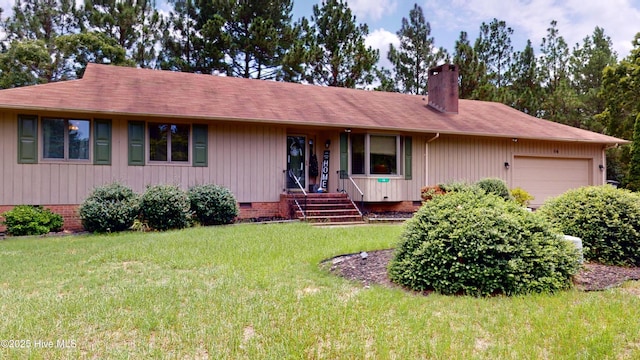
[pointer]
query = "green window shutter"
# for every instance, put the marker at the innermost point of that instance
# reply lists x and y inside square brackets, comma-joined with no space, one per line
[344,155]
[136,143]
[408,174]
[27,139]
[102,142]
[200,143]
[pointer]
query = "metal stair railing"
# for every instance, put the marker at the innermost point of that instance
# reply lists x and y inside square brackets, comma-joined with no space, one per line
[295,199]
[345,176]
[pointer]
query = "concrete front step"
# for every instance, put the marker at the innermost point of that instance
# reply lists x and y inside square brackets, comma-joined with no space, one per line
[328,212]
[325,208]
[338,224]
[333,218]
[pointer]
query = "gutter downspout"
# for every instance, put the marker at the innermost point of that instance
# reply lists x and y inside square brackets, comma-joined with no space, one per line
[426,157]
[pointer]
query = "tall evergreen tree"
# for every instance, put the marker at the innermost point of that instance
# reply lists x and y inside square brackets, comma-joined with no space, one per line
[621,89]
[192,40]
[525,86]
[471,71]
[338,54]
[261,33]
[493,48]
[586,66]
[561,101]
[134,24]
[555,58]
[416,54]
[293,66]
[40,22]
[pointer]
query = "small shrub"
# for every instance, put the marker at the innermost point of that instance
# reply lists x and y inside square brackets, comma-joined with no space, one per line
[495,186]
[31,220]
[455,186]
[165,207]
[428,192]
[473,243]
[605,218]
[110,208]
[521,196]
[213,204]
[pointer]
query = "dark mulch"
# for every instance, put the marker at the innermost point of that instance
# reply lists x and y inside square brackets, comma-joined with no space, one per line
[373,270]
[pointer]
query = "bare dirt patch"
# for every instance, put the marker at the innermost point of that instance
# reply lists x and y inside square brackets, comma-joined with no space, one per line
[371,268]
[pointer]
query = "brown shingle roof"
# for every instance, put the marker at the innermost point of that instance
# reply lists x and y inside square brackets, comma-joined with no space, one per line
[135,92]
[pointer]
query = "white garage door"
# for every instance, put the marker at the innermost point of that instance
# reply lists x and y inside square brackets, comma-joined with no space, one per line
[549,177]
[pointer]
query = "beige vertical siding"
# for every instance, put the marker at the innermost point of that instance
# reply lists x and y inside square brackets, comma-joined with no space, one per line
[249,159]
[397,189]
[470,159]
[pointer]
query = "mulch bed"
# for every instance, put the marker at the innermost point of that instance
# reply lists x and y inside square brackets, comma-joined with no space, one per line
[373,270]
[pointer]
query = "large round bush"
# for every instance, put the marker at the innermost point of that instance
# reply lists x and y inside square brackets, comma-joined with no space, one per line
[605,218]
[212,204]
[109,208]
[473,243]
[165,207]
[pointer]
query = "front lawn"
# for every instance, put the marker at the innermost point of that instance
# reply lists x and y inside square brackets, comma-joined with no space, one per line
[257,292]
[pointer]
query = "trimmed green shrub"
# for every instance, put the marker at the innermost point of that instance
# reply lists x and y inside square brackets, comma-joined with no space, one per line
[455,186]
[110,208]
[521,196]
[31,220]
[495,186]
[473,243]
[212,204]
[165,207]
[605,218]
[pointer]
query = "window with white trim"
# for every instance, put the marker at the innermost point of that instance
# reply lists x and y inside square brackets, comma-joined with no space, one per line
[375,154]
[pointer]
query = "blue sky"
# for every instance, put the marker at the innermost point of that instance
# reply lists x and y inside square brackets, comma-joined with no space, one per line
[529,19]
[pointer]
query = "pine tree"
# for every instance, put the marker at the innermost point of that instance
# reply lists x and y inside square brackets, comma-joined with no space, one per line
[193,40]
[36,23]
[260,32]
[586,66]
[525,87]
[416,54]
[493,48]
[561,101]
[133,24]
[338,55]
[471,71]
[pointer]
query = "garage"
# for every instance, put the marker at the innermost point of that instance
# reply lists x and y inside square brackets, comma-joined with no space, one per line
[548,177]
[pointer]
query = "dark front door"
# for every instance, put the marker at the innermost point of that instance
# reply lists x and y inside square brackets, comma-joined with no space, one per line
[295,162]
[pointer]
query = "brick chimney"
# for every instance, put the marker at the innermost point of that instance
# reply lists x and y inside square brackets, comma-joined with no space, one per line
[443,88]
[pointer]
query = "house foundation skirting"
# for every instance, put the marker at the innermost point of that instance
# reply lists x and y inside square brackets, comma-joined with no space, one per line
[73,223]
[254,210]
[401,206]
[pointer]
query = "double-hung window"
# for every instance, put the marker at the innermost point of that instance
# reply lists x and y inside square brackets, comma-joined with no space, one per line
[375,154]
[168,142]
[65,139]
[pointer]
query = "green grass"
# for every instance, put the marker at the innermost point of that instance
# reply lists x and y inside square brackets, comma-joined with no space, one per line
[257,292]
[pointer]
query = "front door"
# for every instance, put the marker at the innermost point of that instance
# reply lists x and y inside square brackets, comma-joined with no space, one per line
[295,162]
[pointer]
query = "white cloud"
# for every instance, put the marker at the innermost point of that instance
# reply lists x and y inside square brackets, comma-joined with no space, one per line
[380,39]
[530,19]
[372,9]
